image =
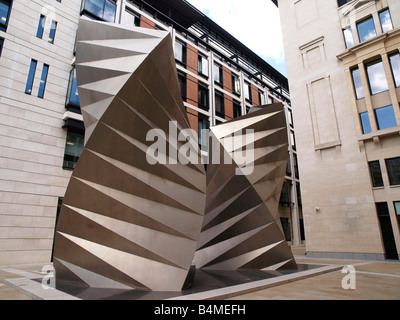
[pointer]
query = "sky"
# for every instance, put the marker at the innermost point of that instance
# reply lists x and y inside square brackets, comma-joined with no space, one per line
[255,23]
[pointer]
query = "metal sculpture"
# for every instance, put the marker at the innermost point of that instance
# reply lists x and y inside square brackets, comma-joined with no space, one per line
[129,220]
[126,223]
[241,228]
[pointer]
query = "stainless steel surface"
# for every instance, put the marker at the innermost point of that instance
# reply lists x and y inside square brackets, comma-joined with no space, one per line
[241,228]
[125,222]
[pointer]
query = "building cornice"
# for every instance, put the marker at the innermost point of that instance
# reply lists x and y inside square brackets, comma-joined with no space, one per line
[368,43]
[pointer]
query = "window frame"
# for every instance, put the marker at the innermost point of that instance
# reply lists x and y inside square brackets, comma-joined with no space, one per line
[368,67]
[236,89]
[71,85]
[357,83]
[393,180]
[1,45]
[41,25]
[180,53]
[390,18]
[75,157]
[395,72]
[4,26]
[379,119]
[86,10]
[203,65]
[220,97]
[218,70]
[376,174]
[52,32]
[365,126]
[202,119]
[136,20]
[247,92]
[182,85]
[361,22]
[203,91]
[342,2]
[397,208]
[261,98]
[237,109]
[31,77]
[43,80]
[349,43]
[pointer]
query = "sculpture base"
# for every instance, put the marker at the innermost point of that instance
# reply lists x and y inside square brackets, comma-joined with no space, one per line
[203,283]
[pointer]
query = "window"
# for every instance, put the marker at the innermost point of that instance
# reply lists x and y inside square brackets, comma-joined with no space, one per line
[31,77]
[40,29]
[43,80]
[296,166]
[292,140]
[247,91]
[203,97]
[386,20]
[385,117]
[342,2]
[376,174]
[180,52]
[219,104]
[261,98]
[101,9]
[131,18]
[376,77]
[290,117]
[366,125]
[218,75]
[395,66]
[5,6]
[1,45]
[357,83]
[73,149]
[348,37]
[52,33]
[393,168]
[235,84]
[366,29]
[397,208]
[182,85]
[204,125]
[72,94]
[202,65]
[237,109]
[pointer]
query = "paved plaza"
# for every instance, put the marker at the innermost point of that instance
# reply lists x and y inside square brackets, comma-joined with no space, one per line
[373,280]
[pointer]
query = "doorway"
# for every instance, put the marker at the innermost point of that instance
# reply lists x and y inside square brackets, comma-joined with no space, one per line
[386,231]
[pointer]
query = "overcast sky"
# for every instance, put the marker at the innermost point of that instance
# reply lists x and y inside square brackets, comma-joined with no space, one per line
[255,23]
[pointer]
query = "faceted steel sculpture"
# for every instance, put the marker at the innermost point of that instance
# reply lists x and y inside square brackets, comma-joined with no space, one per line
[129,220]
[125,223]
[241,228]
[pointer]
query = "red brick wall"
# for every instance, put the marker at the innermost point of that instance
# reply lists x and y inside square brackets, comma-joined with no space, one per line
[228,108]
[227,79]
[192,58]
[192,90]
[146,23]
[193,120]
[254,96]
